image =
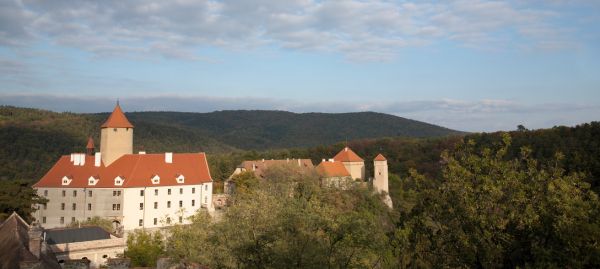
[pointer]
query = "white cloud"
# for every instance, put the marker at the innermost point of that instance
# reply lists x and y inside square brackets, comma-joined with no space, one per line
[360,30]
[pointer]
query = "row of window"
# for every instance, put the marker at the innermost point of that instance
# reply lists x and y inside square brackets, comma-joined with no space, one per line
[89,206]
[62,219]
[118,193]
[141,221]
[169,204]
[169,191]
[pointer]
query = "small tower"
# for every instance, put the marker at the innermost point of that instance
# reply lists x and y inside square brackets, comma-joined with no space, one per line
[116,136]
[380,179]
[90,146]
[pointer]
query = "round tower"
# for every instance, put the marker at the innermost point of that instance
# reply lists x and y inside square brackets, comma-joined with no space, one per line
[116,136]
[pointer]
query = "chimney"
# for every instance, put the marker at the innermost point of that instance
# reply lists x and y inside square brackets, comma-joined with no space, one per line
[168,157]
[72,157]
[97,159]
[346,149]
[82,159]
[76,159]
[35,239]
[141,152]
[263,160]
[323,160]
[299,162]
[331,160]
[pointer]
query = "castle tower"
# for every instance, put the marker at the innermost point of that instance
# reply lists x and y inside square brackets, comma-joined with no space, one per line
[353,163]
[90,146]
[380,179]
[116,137]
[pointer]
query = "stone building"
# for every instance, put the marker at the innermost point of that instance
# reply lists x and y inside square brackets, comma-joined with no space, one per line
[133,190]
[353,163]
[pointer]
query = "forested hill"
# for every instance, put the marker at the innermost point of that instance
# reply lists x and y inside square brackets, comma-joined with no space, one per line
[260,129]
[31,140]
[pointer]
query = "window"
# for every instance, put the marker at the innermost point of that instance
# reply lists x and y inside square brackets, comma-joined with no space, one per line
[141,192]
[74,206]
[205,187]
[180,203]
[89,206]
[88,218]
[193,202]
[64,193]
[168,204]
[62,220]
[45,192]
[118,206]
[62,206]
[155,179]
[74,193]
[72,219]
[180,190]
[114,129]
[168,220]
[118,193]
[45,206]
[193,190]
[114,193]
[43,219]
[141,206]
[155,221]
[89,193]
[114,207]
[141,222]
[155,205]
[205,199]
[169,191]
[180,219]
[155,192]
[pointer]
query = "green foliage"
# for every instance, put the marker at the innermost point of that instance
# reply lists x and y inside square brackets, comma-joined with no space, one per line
[290,224]
[18,196]
[245,182]
[105,224]
[144,248]
[492,211]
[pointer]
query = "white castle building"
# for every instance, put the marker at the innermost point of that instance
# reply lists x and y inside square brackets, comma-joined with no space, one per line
[133,190]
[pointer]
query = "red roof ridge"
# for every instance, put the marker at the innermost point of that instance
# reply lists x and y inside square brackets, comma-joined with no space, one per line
[117,119]
[347,155]
[90,143]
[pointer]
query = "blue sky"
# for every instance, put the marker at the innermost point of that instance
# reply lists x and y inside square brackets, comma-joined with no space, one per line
[471,65]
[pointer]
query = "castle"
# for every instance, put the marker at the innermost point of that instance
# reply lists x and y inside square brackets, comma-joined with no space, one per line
[133,190]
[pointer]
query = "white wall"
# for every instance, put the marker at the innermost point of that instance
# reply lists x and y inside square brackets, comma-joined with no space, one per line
[132,213]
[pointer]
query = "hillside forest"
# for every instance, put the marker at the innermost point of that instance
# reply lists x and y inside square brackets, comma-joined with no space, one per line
[525,198]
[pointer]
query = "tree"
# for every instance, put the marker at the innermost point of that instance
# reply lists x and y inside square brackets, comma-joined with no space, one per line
[491,211]
[18,196]
[144,248]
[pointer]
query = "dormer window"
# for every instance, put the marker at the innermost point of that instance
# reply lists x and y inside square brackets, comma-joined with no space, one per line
[180,179]
[155,179]
[119,181]
[66,180]
[93,180]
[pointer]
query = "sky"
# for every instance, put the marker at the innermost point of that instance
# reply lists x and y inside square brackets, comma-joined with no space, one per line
[470,65]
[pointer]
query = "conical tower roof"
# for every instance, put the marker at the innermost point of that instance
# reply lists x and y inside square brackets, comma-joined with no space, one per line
[380,158]
[90,143]
[117,119]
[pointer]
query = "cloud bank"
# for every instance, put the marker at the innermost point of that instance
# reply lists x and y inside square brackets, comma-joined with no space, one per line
[475,116]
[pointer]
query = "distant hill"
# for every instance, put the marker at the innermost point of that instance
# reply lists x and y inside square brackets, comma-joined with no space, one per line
[259,129]
[31,140]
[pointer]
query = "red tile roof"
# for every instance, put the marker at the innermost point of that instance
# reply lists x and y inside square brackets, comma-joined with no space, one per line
[117,119]
[347,155]
[261,165]
[332,169]
[136,169]
[380,158]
